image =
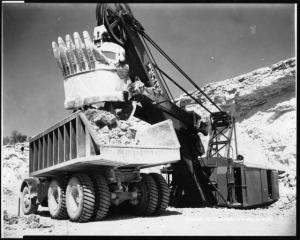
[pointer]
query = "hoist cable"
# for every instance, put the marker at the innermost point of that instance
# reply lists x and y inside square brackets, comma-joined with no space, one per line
[181,88]
[179,69]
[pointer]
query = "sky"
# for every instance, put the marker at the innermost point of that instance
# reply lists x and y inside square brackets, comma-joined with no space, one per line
[211,42]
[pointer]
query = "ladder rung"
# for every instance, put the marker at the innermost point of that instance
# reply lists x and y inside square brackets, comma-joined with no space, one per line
[220,142]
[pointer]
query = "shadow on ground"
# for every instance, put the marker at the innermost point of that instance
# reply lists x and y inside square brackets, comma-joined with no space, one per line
[43,213]
[124,213]
[117,213]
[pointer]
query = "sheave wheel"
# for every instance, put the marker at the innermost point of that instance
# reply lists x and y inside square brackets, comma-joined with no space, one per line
[102,195]
[28,204]
[147,196]
[163,193]
[80,198]
[113,24]
[57,199]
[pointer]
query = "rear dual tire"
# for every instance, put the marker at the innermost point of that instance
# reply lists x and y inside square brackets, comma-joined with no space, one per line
[102,196]
[163,193]
[147,196]
[153,195]
[80,198]
[57,199]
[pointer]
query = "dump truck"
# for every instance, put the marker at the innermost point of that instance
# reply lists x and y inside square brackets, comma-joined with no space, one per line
[80,178]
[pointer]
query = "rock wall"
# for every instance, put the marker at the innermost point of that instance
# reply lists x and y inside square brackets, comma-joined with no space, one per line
[15,167]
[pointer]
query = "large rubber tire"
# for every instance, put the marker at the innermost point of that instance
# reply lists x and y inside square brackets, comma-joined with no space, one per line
[57,199]
[102,195]
[80,198]
[29,205]
[147,196]
[163,193]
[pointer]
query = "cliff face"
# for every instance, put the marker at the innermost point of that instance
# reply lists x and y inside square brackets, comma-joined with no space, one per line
[264,104]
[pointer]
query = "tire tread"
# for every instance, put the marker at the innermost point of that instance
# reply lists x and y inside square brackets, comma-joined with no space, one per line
[163,193]
[102,194]
[63,213]
[88,198]
[148,208]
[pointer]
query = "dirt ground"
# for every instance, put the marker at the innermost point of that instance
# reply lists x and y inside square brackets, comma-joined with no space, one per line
[277,219]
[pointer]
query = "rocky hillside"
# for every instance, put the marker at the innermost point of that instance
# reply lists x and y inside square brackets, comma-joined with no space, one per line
[15,167]
[264,104]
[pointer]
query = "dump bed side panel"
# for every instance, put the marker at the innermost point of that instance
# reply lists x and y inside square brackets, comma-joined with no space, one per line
[67,140]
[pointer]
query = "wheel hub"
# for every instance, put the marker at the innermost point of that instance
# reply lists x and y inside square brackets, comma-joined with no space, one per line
[54,198]
[26,200]
[74,199]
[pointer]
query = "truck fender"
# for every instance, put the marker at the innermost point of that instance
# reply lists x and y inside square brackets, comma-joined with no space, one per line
[32,184]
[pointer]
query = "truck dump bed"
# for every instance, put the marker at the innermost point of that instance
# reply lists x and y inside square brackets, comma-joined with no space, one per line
[72,145]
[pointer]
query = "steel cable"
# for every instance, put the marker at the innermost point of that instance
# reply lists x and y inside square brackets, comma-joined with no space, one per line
[179,69]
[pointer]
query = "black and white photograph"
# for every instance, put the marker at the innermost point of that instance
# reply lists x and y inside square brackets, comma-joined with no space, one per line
[148,119]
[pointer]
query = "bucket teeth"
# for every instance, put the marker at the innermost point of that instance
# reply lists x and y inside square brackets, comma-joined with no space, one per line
[63,56]
[74,56]
[89,49]
[71,54]
[81,51]
[56,54]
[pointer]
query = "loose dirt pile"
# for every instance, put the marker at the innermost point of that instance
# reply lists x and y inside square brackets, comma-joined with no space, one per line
[15,167]
[31,221]
[111,130]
